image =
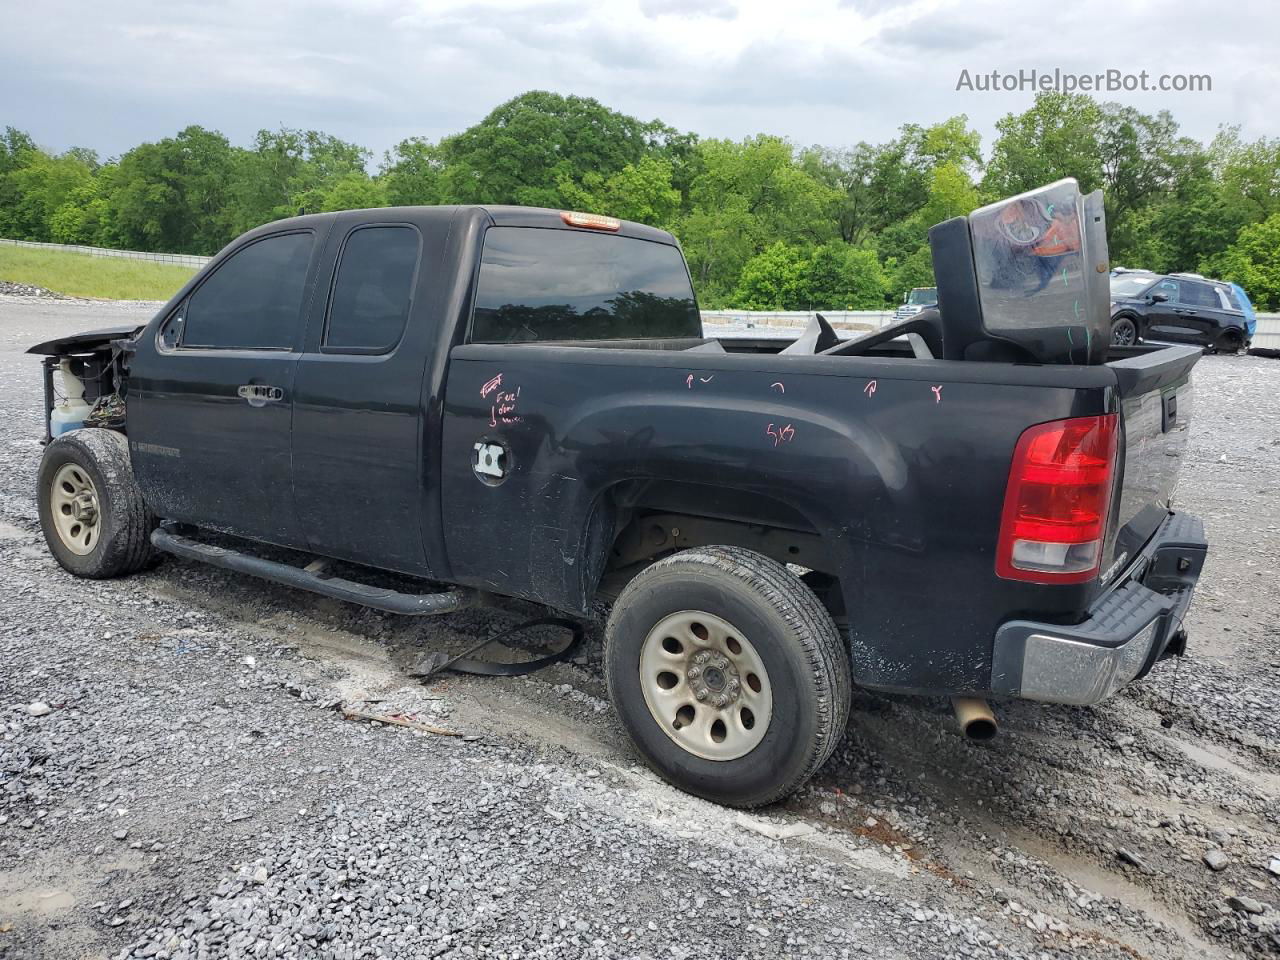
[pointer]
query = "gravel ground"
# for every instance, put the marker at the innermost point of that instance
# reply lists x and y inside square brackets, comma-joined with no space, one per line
[10,289]
[192,792]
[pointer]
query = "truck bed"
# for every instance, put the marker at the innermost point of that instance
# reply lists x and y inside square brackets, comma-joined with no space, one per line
[896,465]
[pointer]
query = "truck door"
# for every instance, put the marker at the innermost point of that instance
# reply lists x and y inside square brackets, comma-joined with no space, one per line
[357,427]
[211,393]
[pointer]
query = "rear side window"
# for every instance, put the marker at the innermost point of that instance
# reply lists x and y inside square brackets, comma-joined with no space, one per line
[1200,295]
[373,290]
[547,284]
[253,301]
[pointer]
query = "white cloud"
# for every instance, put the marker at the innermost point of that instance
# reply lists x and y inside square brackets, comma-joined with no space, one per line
[720,9]
[827,71]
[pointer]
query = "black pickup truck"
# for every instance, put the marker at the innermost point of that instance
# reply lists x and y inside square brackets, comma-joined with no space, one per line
[521,402]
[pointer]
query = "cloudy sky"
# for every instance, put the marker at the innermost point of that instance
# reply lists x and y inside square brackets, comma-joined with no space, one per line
[110,74]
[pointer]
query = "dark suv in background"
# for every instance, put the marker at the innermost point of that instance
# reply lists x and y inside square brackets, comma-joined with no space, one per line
[1177,308]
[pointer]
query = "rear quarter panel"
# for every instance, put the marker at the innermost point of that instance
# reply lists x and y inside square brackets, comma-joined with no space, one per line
[899,465]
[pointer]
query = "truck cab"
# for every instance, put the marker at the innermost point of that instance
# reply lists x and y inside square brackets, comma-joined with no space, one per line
[915,300]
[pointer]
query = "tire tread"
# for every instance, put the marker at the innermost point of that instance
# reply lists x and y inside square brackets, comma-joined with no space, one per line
[126,546]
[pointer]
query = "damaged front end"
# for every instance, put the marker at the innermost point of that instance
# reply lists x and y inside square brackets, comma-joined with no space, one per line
[84,377]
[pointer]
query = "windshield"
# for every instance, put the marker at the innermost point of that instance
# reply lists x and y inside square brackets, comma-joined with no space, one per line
[923,295]
[1130,284]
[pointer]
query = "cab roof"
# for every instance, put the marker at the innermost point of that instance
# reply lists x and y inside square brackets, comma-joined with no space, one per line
[499,215]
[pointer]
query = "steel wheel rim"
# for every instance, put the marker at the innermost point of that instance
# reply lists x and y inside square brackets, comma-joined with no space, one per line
[73,502]
[1123,335]
[705,685]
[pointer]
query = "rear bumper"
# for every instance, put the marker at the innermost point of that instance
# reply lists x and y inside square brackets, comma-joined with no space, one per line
[1126,631]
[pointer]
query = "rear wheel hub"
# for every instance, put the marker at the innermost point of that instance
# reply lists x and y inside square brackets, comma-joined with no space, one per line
[706,685]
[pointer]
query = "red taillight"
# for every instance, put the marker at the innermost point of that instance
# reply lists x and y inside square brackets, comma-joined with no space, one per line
[591,221]
[1057,501]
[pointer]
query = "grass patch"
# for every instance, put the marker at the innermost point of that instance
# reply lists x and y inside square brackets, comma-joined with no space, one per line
[80,275]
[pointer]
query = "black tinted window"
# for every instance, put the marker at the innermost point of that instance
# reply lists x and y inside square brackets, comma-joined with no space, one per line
[254,300]
[373,289]
[1200,295]
[546,284]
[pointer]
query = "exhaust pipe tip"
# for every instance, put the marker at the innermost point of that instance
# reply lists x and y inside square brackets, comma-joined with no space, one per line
[975,718]
[981,730]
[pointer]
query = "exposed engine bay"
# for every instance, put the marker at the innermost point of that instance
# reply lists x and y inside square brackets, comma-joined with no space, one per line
[84,378]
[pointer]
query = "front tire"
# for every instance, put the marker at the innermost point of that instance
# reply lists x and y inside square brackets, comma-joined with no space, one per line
[728,674]
[91,510]
[1124,332]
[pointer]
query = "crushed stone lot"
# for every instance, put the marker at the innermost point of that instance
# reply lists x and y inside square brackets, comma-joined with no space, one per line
[177,778]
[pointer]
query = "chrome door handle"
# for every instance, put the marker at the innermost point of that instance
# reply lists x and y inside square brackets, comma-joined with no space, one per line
[260,395]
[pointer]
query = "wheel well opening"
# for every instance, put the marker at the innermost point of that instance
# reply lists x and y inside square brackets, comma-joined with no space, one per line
[657,520]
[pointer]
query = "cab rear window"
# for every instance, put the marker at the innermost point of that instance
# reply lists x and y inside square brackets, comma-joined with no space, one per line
[548,284]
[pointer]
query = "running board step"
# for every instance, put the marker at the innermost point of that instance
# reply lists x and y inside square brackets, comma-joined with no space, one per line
[379,598]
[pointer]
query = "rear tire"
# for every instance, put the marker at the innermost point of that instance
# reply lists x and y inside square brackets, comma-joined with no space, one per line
[723,638]
[91,510]
[1230,342]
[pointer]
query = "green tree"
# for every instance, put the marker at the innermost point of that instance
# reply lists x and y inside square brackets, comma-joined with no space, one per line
[353,191]
[1057,137]
[286,172]
[1172,203]
[773,279]
[83,217]
[881,185]
[1183,225]
[642,192]
[15,147]
[831,276]
[1137,152]
[837,276]
[950,193]
[411,173]
[908,262]
[40,186]
[1249,174]
[1253,261]
[951,142]
[1144,162]
[525,149]
[746,196]
[16,150]
[915,269]
[848,175]
[173,195]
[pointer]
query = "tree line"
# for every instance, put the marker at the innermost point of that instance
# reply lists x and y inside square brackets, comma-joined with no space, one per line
[765,224]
